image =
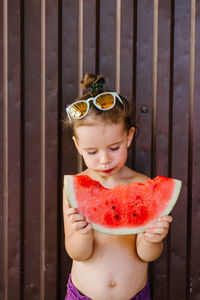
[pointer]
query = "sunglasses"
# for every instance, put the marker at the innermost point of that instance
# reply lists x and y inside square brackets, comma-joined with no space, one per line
[103,101]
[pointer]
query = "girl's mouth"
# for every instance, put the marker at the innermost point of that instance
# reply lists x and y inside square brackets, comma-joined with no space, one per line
[107,171]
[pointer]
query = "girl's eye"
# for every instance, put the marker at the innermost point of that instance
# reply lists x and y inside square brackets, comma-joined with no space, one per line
[92,152]
[114,149]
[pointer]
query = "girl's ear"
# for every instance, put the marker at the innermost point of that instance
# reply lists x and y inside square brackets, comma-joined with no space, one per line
[77,144]
[130,136]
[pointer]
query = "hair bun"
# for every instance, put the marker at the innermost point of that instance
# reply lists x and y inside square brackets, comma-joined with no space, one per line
[91,79]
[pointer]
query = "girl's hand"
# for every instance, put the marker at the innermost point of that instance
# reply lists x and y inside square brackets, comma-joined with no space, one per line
[78,221]
[158,230]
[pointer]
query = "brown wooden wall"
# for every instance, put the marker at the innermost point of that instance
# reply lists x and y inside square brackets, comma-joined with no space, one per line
[149,51]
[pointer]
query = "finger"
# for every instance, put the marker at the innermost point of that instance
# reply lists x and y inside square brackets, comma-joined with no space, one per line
[82,227]
[153,238]
[76,217]
[158,230]
[70,211]
[159,225]
[86,229]
[168,219]
[79,225]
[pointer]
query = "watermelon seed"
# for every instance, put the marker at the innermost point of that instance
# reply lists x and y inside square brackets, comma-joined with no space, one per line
[116,216]
[135,215]
[113,207]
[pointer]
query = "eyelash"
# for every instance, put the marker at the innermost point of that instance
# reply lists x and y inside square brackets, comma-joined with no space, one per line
[112,149]
[92,153]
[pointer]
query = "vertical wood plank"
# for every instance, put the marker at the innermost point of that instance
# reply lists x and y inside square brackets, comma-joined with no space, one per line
[14,150]
[144,86]
[1,156]
[162,134]
[128,59]
[163,88]
[195,170]
[5,150]
[90,37]
[107,38]
[32,144]
[180,123]
[70,76]
[50,150]
[127,46]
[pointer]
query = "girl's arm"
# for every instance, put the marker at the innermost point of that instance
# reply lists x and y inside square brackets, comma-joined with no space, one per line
[150,243]
[78,233]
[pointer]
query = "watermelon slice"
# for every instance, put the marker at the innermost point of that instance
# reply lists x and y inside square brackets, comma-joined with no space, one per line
[125,209]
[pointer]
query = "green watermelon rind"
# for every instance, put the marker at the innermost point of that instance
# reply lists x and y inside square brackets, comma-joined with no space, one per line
[68,186]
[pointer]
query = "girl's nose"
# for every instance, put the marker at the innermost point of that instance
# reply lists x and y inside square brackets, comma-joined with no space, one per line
[104,158]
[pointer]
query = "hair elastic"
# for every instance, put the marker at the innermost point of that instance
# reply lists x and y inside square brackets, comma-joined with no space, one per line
[97,87]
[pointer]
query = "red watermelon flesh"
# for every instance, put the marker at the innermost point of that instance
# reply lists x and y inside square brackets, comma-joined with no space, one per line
[125,209]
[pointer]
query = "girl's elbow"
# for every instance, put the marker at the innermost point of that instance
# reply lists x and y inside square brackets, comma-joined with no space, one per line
[79,256]
[150,254]
[149,259]
[76,254]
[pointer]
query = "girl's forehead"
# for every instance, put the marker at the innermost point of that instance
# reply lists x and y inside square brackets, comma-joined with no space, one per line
[94,133]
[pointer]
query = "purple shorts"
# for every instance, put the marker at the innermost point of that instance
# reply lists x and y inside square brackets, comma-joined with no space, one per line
[74,294]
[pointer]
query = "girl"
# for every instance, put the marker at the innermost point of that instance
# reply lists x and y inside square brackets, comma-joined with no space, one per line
[104,266]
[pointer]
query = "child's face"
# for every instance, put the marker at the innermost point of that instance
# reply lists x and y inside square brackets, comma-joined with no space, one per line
[103,146]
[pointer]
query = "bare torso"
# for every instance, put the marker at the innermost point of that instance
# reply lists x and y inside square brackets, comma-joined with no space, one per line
[114,271]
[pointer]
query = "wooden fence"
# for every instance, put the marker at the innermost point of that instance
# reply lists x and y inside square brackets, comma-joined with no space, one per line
[149,51]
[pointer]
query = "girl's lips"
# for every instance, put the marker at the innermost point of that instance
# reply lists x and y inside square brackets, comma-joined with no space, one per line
[107,171]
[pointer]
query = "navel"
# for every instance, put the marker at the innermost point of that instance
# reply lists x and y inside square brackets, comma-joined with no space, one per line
[112,283]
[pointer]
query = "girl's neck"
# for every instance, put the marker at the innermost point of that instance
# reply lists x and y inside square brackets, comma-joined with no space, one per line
[110,181]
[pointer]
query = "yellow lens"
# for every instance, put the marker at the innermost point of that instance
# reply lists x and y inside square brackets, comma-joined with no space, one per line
[105,101]
[78,110]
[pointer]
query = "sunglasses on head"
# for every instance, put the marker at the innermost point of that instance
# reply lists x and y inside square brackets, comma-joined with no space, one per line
[103,101]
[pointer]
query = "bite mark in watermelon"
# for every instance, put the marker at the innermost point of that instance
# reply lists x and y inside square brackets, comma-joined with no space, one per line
[125,209]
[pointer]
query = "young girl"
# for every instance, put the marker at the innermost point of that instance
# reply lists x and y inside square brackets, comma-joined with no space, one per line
[107,266]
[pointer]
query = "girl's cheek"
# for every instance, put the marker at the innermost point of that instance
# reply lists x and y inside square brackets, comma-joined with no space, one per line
[90,161]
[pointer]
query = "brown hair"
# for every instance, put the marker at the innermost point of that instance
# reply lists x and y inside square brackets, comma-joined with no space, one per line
[115,115]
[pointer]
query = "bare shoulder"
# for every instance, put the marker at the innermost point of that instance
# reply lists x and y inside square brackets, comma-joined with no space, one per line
[134,176]
[139,177]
